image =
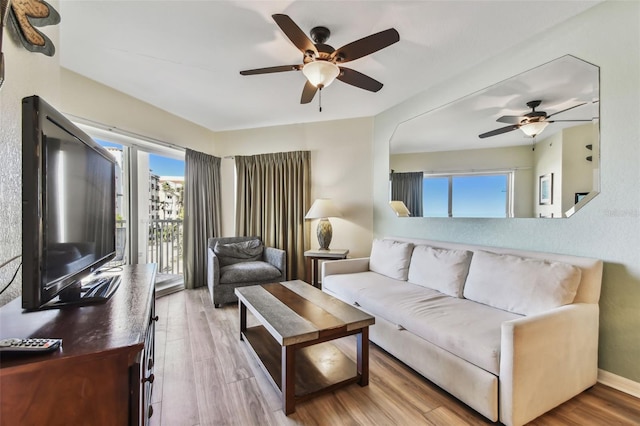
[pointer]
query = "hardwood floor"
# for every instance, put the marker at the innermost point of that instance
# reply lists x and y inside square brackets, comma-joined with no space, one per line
[205,376]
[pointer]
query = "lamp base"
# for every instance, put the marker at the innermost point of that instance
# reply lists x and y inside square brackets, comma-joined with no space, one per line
[325,232]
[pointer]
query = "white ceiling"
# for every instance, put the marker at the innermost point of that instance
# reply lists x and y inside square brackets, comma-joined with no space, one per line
[185,56]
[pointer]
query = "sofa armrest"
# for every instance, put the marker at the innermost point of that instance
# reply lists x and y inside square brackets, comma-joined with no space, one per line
[546,359]
[213,269]
[344,266]
[277,258]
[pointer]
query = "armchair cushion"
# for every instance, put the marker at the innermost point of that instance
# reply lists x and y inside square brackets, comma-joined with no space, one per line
[239,262]
[250,271]
[242,251]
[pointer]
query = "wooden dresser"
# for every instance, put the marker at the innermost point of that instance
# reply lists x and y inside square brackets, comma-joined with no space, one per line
[104,373]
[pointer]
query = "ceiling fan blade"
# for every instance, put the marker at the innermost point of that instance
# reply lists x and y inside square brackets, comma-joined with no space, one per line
[499,131]
[511,119]
[564,110]
[269,70]
[365,46]
[308,93]
[294,33]
[358,79]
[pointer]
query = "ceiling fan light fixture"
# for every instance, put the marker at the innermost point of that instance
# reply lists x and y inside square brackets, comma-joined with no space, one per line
[321,73]
[534,129]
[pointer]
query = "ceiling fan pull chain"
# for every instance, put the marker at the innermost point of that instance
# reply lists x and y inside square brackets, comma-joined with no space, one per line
[320,100]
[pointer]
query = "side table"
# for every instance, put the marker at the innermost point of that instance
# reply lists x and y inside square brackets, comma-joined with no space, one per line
[315,255]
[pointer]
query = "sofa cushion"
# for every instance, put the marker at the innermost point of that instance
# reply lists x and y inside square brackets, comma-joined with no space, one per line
[356,287]
[390,258]
[464,328]
[377,294]
[439,269]
[521,285]
[251,271]
[242,251]
[467,329]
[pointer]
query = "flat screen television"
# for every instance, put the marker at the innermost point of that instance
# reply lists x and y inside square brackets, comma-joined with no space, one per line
[68,210]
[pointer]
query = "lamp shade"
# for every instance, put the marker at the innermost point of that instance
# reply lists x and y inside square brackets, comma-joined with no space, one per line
[399,208]
[322,208]
[535,128]
[321,73]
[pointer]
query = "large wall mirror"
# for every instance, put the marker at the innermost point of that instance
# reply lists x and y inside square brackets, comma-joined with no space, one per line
[527,147]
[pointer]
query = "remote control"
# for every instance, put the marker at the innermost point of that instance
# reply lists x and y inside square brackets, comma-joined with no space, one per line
[33,345]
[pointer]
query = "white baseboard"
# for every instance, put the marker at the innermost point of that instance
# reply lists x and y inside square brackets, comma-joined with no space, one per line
[620,383]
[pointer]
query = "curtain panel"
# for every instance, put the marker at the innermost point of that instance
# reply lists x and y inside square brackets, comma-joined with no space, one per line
[272,198]
[407,187]
[202,214]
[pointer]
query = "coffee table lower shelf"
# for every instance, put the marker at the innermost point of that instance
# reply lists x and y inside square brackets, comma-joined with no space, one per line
[319,368]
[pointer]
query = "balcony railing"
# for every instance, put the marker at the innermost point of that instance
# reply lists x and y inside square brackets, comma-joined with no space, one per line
[165,245]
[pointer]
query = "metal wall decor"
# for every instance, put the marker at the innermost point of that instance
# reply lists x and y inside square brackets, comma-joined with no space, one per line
[26,15]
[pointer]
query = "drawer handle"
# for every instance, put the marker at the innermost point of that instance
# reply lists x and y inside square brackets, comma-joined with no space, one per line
[150,412]
[149,379]
[154,318]
[150,364]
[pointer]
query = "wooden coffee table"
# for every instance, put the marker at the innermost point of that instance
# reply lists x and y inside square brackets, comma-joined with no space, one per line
[292,342]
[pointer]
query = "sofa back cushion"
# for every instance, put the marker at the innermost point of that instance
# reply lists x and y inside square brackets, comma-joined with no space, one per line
[242,251]
[390,258]
[520,285]
[439,269]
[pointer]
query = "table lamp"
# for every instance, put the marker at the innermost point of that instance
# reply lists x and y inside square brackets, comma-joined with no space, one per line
[399,208]
[323,209]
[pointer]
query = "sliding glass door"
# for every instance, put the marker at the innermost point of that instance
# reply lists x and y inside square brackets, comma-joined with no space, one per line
[165,207]
[149,206]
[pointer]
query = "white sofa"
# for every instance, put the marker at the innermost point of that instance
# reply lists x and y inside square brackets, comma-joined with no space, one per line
[511,333]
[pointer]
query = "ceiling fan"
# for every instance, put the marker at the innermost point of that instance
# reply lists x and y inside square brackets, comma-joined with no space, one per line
[320,61]
[532,123]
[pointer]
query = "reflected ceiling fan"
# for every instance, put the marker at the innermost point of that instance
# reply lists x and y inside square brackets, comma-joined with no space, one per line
[532,123]
[320,61]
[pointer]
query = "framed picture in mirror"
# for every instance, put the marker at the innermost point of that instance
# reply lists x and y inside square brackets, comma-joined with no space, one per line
[546,189]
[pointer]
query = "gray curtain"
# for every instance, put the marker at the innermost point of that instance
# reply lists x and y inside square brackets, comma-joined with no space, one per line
[407,187]
[202,214]
[272,198]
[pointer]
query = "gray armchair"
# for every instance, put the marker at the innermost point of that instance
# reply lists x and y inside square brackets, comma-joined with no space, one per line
[239,262]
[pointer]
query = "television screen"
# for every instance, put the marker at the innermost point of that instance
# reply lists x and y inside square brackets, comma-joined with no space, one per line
[69,214]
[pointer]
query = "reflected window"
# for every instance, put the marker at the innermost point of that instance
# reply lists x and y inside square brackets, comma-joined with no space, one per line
[435,196]
[468,195]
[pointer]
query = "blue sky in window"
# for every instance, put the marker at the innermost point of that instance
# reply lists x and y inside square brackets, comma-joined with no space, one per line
[473,196]
[480,196]
[159,165]
[163,166]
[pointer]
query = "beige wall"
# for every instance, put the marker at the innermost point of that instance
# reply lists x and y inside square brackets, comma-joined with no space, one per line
[340,170]
[578,172]
[608,228]
[26,74]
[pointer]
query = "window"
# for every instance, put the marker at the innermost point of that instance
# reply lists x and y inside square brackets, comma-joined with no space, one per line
[154,235]
[435,196]
[468,195]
